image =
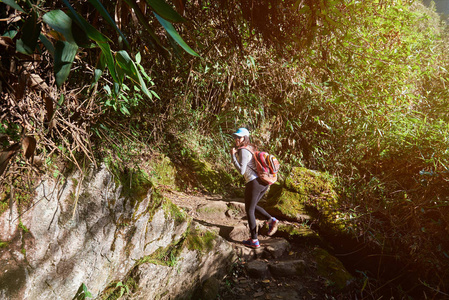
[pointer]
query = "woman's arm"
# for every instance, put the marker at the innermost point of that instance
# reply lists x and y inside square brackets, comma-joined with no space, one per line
[245,157]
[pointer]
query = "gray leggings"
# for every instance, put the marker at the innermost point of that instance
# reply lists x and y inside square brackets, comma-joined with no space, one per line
[254,190]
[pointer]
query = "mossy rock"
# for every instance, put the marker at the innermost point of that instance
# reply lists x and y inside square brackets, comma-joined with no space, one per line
[332,269]
[200,239]
[163,171]
[210,179]
[287,205]
[171,209]
[135,182]
[307,190]
[298,233]
[318,188]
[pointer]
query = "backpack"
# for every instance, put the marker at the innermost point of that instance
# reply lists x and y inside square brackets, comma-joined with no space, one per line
[267,166]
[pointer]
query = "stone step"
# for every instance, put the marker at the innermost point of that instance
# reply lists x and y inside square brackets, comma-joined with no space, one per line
[270,248]
[277,269]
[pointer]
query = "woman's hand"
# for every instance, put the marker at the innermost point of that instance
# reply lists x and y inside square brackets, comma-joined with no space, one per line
[233,151]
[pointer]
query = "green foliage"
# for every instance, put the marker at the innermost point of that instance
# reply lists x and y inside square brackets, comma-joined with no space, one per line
[82,293]
[117,290]
[174,35]
[75,32]
[355,88]
[168,256]
[130,98]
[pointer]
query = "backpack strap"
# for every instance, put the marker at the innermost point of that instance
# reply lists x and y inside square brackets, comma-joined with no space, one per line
[246,148]
[254,156]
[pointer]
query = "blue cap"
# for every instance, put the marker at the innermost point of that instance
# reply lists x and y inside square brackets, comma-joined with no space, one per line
[241,132]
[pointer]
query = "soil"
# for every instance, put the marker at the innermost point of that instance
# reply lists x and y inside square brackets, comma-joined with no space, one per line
[228,218]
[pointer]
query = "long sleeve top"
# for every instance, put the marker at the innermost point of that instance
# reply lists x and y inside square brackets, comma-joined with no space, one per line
[244,162]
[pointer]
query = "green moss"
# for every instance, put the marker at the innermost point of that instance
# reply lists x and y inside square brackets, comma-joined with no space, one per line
[289,204]
[194,169]
[157,200]
[135,182]
[4,205]
[316,191]
[202,241]
[294,231]
[174,211]
[22,196]
[308,192]
[168,256]
[23,227]
[317,187]
[211,180]
[4,244]
[331,268]
[163,171]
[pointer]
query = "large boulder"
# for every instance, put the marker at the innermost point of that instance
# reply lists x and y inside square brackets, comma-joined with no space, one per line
[305,194]
[329,267]
[203,256]
[87,230]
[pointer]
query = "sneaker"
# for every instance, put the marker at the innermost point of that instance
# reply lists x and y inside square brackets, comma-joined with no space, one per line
[251,244]
[272,226]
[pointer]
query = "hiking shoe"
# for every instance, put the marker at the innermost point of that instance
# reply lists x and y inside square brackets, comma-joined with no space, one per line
[272,226]
[251,244]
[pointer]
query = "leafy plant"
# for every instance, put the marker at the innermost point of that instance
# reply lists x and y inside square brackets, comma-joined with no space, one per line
[75,32]
[122,289]
[82,293]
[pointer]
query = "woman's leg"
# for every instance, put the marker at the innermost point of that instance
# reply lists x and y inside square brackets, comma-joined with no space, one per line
[254,191]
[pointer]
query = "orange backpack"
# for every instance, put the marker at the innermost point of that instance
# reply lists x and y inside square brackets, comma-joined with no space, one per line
[267,166]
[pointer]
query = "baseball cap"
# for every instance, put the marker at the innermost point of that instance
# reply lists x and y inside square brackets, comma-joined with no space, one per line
[241,132]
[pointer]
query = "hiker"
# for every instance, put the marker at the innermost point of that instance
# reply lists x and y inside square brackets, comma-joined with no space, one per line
[244,161]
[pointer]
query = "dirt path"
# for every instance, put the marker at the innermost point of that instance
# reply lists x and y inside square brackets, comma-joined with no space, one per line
[283,268]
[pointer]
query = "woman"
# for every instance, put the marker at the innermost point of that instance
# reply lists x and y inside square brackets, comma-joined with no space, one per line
[254,188]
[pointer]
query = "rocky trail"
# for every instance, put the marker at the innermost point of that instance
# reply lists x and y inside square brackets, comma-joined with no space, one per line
[292,264]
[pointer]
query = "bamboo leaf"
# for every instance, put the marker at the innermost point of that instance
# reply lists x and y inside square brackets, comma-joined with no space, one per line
[104,13]
[13,4]
[47,44]
[80,36]
[6,155]
[172,32]
[165,10]
[99,68]
[144,22]
[99,38]
[30,34]
[28,146]
[61,22]
[125,62]
[64,55]
[129,67]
